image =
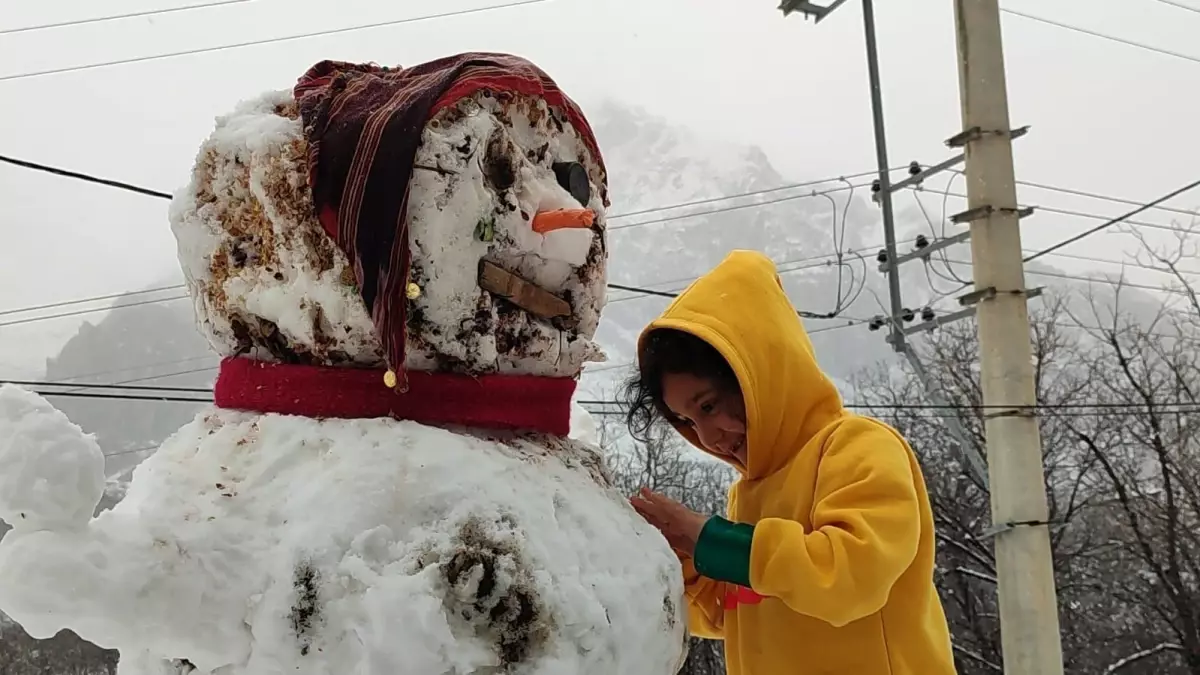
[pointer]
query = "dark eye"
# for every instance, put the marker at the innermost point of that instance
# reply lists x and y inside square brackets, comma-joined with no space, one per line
[574,179]
[708,408]
[681,420]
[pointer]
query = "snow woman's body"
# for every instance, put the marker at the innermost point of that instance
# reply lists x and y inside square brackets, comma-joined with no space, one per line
[824,562]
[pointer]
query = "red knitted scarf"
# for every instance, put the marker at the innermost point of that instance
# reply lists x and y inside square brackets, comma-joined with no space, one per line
[508,402]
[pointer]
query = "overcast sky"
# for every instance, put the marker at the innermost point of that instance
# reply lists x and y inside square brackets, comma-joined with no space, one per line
[1105,117]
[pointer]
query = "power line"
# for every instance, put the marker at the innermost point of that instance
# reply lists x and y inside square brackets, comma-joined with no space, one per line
[736,207]
[1075,277]
[1071,191]
[753,193]
[97,298]
[1093,195]
[644,291]
[149,378]
[1180,5]
[163,195]
[1085,214]
[955,415]
[638,292]
[1085,31]
[674,294]
[1168,406]
[819,263]
[657,209]
[124,397]
[115,17]
[251,43]
[1112,222]
[1062,190]
[850,323]
[633,289]
[979,406]
[61,315]
[1126,263]
[130,452]
[1108,223]
[83,176]
[108,385]
[818,260]
[139,367]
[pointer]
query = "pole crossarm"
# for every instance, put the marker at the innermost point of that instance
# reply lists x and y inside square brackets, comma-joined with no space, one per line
[919,177]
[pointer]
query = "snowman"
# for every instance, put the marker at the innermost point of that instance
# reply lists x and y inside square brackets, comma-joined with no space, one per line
[403,270]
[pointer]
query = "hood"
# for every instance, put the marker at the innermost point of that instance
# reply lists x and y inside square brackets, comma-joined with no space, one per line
[740,309]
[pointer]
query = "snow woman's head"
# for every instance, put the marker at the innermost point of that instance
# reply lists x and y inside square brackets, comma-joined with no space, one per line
[684,381]
[505,224]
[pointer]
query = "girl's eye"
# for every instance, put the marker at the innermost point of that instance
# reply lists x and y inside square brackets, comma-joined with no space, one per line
[708,408]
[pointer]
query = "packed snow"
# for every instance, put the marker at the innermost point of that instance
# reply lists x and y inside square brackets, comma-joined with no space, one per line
[583,426]
[258,264]
[56,488]
[488,172]
[265,275]
[271,544]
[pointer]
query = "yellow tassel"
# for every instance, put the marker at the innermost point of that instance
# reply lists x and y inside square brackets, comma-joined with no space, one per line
[413,291]
[389,379]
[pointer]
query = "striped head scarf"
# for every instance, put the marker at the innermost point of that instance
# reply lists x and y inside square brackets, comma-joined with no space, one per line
[363,124]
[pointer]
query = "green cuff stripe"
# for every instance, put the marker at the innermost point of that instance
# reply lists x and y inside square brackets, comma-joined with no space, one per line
[723,551]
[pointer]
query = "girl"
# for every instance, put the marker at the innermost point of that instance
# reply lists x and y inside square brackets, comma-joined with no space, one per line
[824,563]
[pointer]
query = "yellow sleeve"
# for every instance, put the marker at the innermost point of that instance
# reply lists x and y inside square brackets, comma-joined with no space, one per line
[866,527]
[705,599]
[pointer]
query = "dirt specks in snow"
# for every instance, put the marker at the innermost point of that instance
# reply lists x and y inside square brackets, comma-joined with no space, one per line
[253,250]
[493,590]
[306,611]
[498,170]
[668,612]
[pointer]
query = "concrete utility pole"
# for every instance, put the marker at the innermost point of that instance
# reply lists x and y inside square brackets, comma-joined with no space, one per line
[1028,608]
[1028,605]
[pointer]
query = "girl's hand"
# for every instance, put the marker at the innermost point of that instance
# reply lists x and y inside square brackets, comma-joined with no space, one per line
[679,524]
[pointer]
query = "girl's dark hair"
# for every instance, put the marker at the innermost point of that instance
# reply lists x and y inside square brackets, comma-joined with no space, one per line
[669,351]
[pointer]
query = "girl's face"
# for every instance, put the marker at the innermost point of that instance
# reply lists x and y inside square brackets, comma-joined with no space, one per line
[717,415]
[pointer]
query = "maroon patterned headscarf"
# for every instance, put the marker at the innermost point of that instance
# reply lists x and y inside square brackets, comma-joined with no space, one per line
[363,124]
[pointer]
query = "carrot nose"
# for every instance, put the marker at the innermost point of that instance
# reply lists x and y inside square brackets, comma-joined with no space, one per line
[562,219]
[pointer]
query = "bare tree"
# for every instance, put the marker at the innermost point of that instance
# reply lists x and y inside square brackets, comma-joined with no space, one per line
[1146,448]
[1104,433]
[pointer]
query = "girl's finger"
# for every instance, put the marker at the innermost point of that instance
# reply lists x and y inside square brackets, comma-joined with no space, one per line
[647,511]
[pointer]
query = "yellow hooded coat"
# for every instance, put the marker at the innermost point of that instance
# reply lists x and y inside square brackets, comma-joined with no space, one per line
[831,509]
